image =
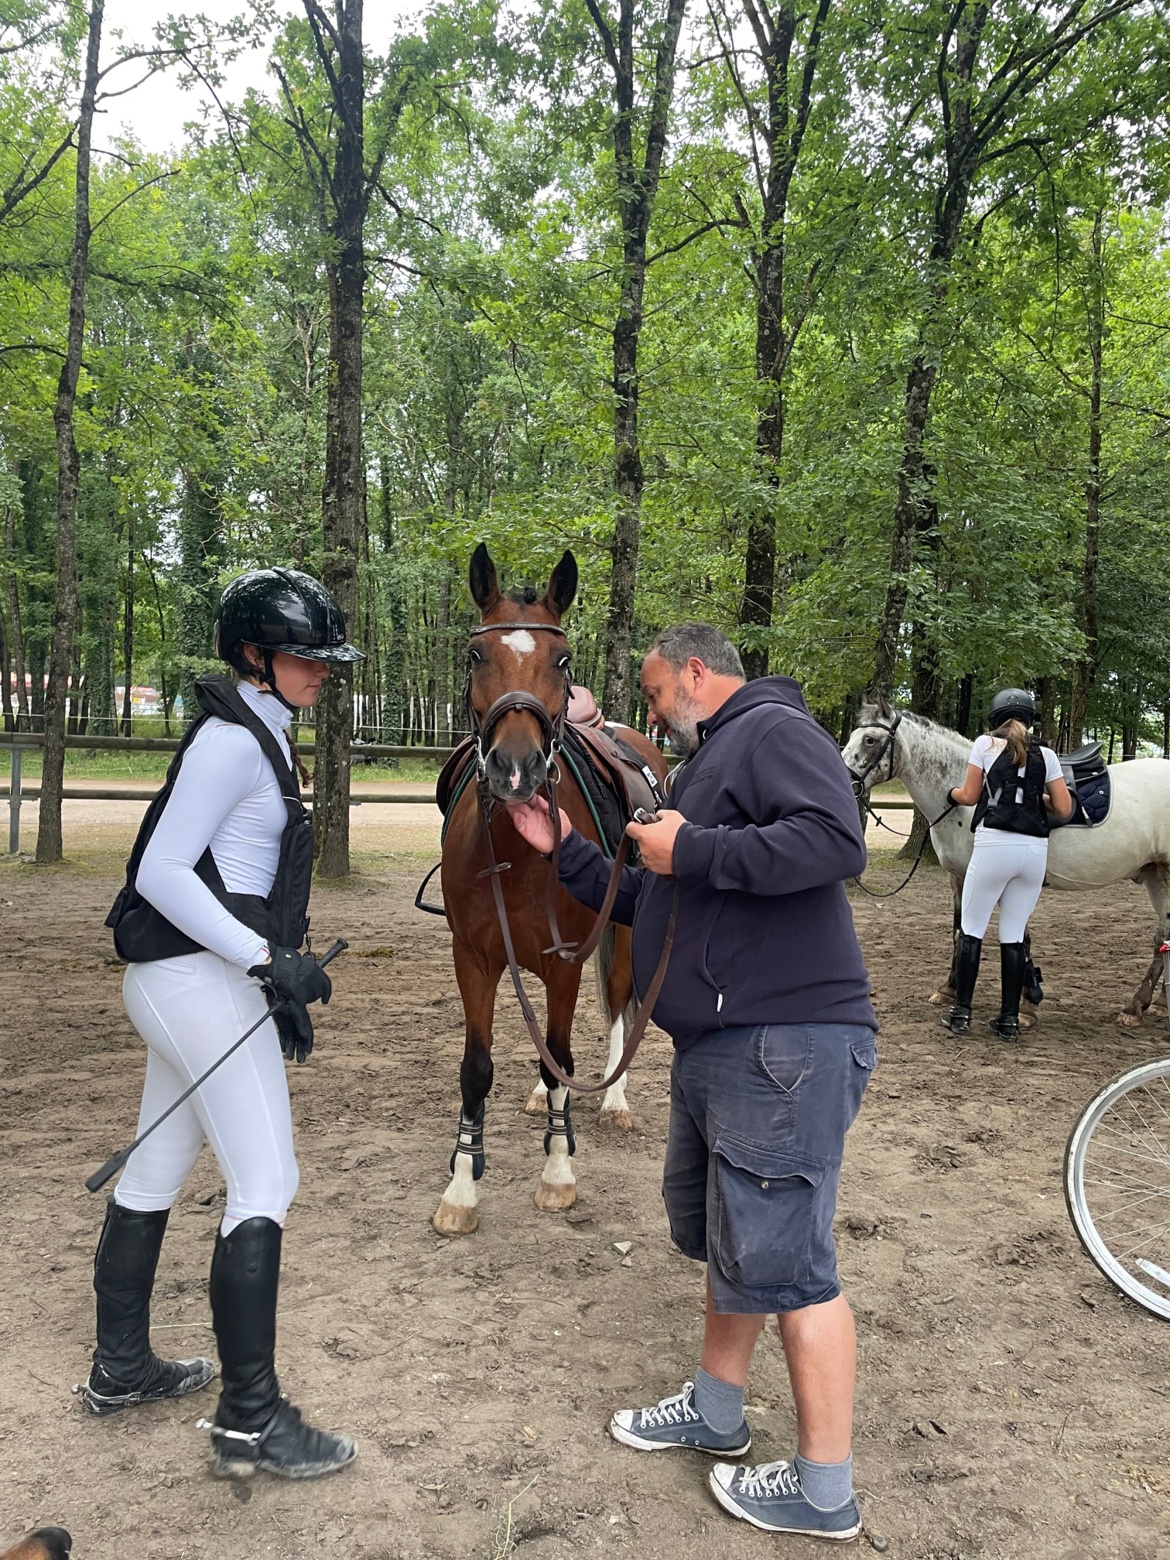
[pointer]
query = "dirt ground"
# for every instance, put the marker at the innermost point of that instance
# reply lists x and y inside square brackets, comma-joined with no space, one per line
[1010,1404]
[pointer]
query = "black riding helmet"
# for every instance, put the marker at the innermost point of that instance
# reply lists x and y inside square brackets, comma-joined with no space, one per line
[1011,704]
[281,610]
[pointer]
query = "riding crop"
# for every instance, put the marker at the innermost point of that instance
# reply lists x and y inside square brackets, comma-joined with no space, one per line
[111,1167]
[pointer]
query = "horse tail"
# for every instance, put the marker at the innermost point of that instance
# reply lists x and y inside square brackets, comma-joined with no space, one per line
[603,960]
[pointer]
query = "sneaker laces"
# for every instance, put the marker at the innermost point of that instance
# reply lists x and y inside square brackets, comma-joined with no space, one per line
[677,1410]
[769,1479]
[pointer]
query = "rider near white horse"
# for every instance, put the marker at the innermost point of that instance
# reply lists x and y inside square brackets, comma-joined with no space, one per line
[1131,843]
[1015,786]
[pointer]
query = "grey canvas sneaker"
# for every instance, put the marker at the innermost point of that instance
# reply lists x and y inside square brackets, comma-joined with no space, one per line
[675,1421]
[769,1496]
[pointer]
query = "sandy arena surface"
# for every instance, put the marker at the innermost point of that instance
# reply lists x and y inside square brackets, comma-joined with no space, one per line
[1010,1403]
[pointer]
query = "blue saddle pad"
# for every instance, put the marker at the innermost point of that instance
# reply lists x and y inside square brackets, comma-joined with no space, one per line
[1093,798]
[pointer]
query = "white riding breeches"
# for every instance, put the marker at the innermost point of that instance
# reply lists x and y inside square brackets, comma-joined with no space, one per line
[1008,870]
[189,1010]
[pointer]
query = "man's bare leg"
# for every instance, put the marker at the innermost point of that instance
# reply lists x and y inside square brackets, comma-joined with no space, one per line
[820,1346]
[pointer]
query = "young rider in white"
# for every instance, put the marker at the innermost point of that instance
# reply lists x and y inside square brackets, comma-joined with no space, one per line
[225,819]
[1019,789]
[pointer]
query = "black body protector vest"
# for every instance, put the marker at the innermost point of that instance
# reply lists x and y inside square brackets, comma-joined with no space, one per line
[141,932]
[998,808]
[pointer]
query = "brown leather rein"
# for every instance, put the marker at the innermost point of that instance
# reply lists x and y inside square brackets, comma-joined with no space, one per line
[553,731]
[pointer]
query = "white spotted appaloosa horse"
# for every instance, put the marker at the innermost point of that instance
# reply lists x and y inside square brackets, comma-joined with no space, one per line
[1133,841]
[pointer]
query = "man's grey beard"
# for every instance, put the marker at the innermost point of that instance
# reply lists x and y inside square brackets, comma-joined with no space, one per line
[683,730]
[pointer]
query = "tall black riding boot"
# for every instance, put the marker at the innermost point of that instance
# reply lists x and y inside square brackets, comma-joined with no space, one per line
[125,1369]
[967,954]
[1013,960]
[255,1427]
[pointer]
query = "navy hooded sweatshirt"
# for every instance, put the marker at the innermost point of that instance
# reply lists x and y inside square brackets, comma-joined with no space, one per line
[765,933]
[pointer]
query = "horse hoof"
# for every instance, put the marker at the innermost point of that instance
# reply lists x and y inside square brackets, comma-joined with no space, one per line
[615,1120]
[555,1198]
[937,998]
[1027,1020]
[1129,1020]
[450,1219]
[537,1102]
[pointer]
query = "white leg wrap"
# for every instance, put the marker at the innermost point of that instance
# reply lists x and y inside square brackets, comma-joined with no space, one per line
[614,1100]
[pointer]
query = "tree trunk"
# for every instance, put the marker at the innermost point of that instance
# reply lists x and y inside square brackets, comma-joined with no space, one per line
[395,703]
[5,675]
[342,510]
[918,833]
[1085,667]
[22,722]
[128,632]
[68,472]
[1049,708]
[787,121]
[200,543]
[637,187]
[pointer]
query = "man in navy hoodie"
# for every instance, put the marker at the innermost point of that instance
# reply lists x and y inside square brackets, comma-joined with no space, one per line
[767,1001]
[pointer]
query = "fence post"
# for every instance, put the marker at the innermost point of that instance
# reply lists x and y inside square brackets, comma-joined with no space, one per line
[14,805]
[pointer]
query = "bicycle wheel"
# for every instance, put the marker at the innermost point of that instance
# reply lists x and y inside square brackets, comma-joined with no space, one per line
[1117,1183]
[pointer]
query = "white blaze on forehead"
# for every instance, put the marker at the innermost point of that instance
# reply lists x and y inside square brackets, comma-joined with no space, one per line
[519,640]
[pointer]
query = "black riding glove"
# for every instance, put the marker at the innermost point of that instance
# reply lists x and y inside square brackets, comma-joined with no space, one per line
[293,980]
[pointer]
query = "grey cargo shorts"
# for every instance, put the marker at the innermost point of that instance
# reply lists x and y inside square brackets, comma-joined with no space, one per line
[758,1117]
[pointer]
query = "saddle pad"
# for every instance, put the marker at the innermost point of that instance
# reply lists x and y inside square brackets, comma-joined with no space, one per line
[1094,796]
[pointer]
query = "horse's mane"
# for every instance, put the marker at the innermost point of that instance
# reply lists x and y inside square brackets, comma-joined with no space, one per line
[525,597]
[921,720]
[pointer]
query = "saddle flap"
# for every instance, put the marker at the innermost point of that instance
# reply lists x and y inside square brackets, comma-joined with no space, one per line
[636,784]
[451,772]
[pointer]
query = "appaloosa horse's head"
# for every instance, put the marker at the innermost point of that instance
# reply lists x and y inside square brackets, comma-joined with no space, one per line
[871,754]
[518,677]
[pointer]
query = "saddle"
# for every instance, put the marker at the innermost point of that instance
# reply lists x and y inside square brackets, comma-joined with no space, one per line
[1087,777]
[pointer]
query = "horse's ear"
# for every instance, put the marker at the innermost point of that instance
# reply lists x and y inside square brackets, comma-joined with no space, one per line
[884,708]
[562,586]
[485,587]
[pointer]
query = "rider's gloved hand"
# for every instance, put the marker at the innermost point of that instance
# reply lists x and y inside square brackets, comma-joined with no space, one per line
[293,980]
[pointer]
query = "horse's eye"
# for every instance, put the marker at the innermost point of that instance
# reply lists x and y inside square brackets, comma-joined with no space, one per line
[565,662]
[474,657]
[869,741]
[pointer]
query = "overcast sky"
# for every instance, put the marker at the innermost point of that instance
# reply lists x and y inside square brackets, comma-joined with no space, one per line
[156,111]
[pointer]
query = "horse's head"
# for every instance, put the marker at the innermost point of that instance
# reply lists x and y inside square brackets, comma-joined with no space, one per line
[518,676]
[871,753]
[51,1543]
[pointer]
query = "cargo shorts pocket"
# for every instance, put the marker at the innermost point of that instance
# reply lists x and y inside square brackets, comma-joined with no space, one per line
[764,1214]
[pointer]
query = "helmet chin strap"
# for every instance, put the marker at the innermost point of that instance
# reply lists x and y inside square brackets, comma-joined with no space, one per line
[269,676]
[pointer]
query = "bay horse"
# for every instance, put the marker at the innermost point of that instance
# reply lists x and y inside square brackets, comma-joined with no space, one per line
[1132,842]
[517,693]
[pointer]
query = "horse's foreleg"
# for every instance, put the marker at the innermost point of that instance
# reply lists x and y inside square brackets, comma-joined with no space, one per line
[456,1213]
[945,995]
[558,1185]
[1156,881]
[619,993]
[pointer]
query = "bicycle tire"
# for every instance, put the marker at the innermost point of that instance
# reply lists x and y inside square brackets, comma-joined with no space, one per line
[1127,1120]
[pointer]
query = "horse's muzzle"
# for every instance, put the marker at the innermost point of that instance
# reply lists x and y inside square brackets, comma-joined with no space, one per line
[515,777]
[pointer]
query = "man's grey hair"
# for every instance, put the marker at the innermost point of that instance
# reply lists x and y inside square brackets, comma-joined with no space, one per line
[677,645]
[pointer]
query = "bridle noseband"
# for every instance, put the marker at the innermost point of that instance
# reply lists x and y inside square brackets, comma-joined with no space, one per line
[518,700]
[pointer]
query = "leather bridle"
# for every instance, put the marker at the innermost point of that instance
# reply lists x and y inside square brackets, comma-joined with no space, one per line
[887,746]
[552,731]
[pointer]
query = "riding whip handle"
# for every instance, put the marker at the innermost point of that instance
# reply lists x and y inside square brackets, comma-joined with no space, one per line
[111,1167]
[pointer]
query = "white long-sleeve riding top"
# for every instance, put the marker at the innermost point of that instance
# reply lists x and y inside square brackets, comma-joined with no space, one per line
[226,797]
